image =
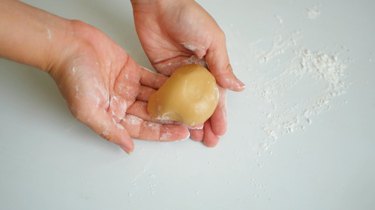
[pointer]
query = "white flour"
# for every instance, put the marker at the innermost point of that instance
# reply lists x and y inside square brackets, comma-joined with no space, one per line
[292,85]
[309,70]
[279,18]
[49,34]
[313,12]
[133,120]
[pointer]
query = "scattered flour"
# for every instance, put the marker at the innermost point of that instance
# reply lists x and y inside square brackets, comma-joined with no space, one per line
[152,126]
[165,135]
[371,58]
[190,47]
[133,120]
[313,78]
[74,70]
[49,34]
[279,18]
[313,12]
[280,44]
[290,85]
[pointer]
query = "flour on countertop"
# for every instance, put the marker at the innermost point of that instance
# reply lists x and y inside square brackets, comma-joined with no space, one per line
[280,44]
[308,70]
[313,12]
[279,19]
[290,83]
[371,58]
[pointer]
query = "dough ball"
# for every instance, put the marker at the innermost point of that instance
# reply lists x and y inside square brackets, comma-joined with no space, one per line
[189,96]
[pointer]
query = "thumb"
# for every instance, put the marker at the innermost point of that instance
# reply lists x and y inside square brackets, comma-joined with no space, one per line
[218,62]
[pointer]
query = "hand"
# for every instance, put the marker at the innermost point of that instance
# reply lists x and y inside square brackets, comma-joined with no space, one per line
[107,90]
[174,33]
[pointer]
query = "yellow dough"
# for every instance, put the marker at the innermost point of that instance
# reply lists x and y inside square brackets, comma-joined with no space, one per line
[189,96]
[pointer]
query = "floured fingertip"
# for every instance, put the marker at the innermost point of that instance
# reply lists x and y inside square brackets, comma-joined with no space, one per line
[173,133]
[196,127]
[184,138]
[127,149]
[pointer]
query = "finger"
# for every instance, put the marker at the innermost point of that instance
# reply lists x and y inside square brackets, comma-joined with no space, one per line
[145,93]
[219,117]
[218,63]
[152,79]
[146,130]
[196,134]
[209,138]
[139,109]
[167,67]
[126,83]
[196,127]
[104,125]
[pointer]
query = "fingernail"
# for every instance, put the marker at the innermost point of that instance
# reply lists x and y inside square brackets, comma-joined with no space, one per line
[127,149]
[239,84]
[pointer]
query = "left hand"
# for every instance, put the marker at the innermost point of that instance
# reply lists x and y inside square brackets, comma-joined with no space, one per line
[174,33]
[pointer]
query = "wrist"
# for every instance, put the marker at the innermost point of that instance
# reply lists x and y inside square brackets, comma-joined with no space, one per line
[59,45]
[32,36]
[75,37]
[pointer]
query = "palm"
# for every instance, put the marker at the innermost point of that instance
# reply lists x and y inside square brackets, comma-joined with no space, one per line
[107,90]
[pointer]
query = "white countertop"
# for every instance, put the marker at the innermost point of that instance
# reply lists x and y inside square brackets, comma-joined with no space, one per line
[302,135]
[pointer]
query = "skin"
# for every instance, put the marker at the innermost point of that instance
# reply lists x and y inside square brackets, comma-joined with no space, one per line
[177,32]
[102,85]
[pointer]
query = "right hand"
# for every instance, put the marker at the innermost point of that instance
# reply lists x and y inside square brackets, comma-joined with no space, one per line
[107,90]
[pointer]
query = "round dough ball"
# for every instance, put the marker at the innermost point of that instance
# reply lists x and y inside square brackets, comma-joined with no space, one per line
[189,96]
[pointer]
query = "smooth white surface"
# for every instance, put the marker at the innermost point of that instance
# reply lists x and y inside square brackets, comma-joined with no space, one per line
[50,161]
